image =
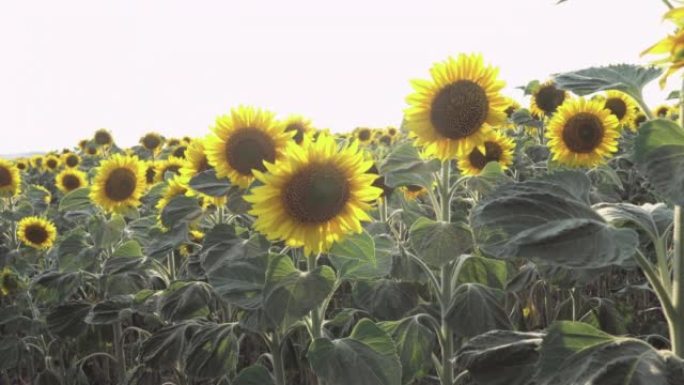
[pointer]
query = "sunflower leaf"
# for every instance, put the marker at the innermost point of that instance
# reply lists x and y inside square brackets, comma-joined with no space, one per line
[438,243]
[404,166]
[627,78]
[207,183]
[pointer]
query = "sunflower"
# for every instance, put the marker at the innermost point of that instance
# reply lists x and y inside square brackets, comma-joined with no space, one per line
[82,144]
[152,141]
[546,99]
[175,186]
[497,148]
[582,133]
[47,195]
[314,196]
[171,164]
[10,179]
[452,113]
[71,160]
[119,183]
[663,111]
[640,119]
[21,164]
[413,191]
[179,151]
[37,232]
[385,140]
[103,137]
[196,161]
[37,161]
[70,180]
[150,172]
[392,131]
[243,141]
[364,135]
[10,282]
[91,150]
[300,125]
[172,142]
[622,106]
[51,163]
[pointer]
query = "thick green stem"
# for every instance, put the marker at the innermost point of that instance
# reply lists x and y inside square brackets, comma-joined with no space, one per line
[278,364]
[119,352]
[644,107]
[444,191]
[316,319]
[447,376]
[677,327]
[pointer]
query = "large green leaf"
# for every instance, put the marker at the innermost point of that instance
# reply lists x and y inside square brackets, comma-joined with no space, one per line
[254,375]
[12,352]
[109,311]
[76,200]
[207,183]
[627,78]
[649,218]
[180,209]
[367,357]
[438,243]
[357,257]
[415,343]
[385,299]
[212,351]
[549,220]
[106,233]
[659,154]
[489,272]
[290,294]
[68,320]
[476,309]
[187,300]
[164,349]
[404,166]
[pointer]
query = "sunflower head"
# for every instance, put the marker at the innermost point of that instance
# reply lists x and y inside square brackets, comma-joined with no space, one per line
[103,137]
[172,142]
[10,282]
[175,187]
[91,150]
[47,195]
[497,148]
[21,164]
[663,111]
[451,113]
[69,180]
[243,141]
[413,191]
[639,119]
[179,151]
[196,161]
[364,135]
[299,125]
[82,144]
[547,98]
[315,195]
[150,172]
[38,233]
[621,106]
[119,183]
[10,179]
[170,165]
[51,163]
[71,160]
[152,141]
[582,133]
[392,131]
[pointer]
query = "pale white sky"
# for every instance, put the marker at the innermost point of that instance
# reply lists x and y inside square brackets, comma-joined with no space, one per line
[70,67]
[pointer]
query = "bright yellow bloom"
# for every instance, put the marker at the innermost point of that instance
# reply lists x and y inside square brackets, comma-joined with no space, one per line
[546,99]
[175,187]
[103,137]
[452,113]
[497,148]
[51,163]
[71,160]
[10,179]
[69,180]
[171,164]
[119,183]
[622,106]
[37,233]
[316,195]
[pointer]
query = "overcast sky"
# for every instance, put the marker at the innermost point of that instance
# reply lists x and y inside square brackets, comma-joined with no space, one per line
[132,66]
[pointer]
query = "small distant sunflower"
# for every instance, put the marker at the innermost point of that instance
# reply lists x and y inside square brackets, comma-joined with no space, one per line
[242,141]
[392,131]
[511,108]
[179,151]
[451,114]
[364,135]
[640,119]
[317,194]
[91,150]
[622,106]
[119,183]
[37,161]
[152,141]
[171,164]
[37,233]
[10,179]
[186,139]
[497,148]
[196,161]
[47,195]
[51,163]
[10,282]
[413,191]
[582,133]
[663,111]
[69,180]
[21,164]
[172,142]
[71,160]
[385,140]
[546,99]
[175,186]
[300,125]
[150,172]
[82,144]
[103,137]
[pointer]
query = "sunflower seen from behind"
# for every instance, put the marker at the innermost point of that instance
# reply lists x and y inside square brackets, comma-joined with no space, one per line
[10,179]
[119,183]
[243,141]
[496,148]
[452,113]
[315,195]
[152,142]
[69,180]
[546,99]
[35,232]
[103,138]
[582,133]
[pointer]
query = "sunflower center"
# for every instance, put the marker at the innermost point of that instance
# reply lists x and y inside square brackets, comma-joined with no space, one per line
[149,175]
[583,133]
[51,163]
[364,135]
[299,136]
[548,98]
[509,111]
[179,152]
[248,148]
[639,119]
[102,138]
[72,161]
[459,109]
[36,234]
[120,184]
[492,153]
[316,193]
[5,177]
[617,107]
[151,142]
[71,182]
[662,112]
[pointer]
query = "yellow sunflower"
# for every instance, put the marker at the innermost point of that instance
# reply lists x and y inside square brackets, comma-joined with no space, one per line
[546,99]
[172,142]
[150,172]
[119,183]
[69,180]
[663,111]
[82,144]
[47,195]
[364,135]
[21,164]
[71,160]
[171,164]
[392,131]
[497,148]
[152,142]
[10,179]
[452,113]
[243,141]
[582,133]
[37,233]
[175,186]
[103,137]
[10,282]
[196,161]
[639,119]
[413,191]
[91,150]
[179,151]
[622,106]
[51,163]
[314,196]
[37,161]
[300,125]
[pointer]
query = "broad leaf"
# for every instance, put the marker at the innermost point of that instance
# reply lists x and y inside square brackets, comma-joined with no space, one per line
[404,166]
[627,78]
[180,209]
[254,375]
[76,200]
[385,299]
[187,300]
[68,320]
[652,219]
[438,243]
[486,271]
[207,183]
[165,347]
[415,343]
[476,309]
[357,257]
[212,352]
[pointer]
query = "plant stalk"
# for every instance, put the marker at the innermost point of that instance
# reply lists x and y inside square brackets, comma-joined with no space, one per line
[278,364]
[316,319]
[119,352]
[677,324]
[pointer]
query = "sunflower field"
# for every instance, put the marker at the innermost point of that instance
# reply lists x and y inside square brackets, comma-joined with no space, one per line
[488,240]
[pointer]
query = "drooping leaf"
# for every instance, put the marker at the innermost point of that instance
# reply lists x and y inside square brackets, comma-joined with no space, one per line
[207,183]
[109,311]
[358,257]
[187,300]
[647,217]
[180,209]
[385,299]
[404,166]
[212,351]
[627,78]
[438,243]
[76,200]
[68,320]
[415,343]
[486,271]
[164,349]
[254,375]
[476,309]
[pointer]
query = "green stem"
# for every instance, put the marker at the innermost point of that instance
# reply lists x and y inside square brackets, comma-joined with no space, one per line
[172,265]
[316,319]
[278,364]
[677,329]
[119,353]
[663,268]
[644,107]
[668,4]
[444,190]
[447,377]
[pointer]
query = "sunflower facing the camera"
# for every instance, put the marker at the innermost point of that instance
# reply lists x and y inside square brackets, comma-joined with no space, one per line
[582,133]
[51,163]
[452,113]
[10,179]
[119,183]
[37,233]
[69,180]
[546,99]
[71,160]
[242,141]
[622,106]
[497,148]
[317,194]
